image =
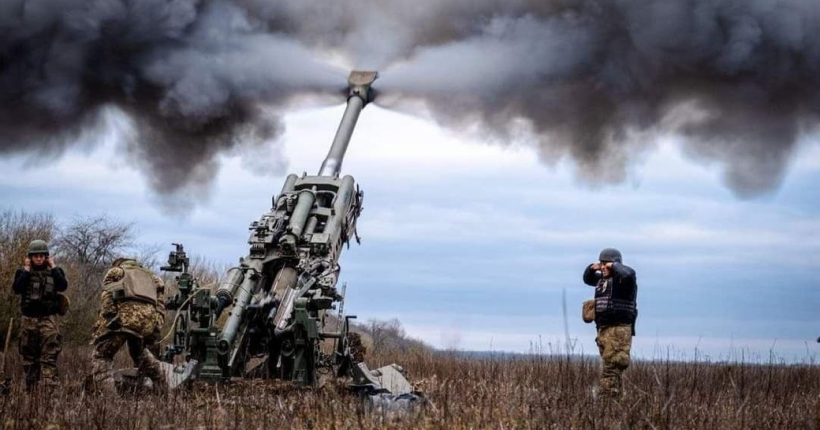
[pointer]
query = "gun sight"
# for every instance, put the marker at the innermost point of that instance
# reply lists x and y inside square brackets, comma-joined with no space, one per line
[177,260]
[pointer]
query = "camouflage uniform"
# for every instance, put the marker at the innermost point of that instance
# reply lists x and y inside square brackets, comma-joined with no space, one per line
[128,321]
[614,344]
[40,346]
[40,338]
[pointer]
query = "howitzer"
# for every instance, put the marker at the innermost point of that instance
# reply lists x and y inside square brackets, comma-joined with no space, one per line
[272,306]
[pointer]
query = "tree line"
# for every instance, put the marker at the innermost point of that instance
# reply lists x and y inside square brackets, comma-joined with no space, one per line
[85,247]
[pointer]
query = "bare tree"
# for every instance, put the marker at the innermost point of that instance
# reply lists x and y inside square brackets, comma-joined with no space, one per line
[86,246]
[95,241]
[385,334]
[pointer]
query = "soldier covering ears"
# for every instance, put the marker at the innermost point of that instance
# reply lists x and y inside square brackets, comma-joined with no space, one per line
[616,291]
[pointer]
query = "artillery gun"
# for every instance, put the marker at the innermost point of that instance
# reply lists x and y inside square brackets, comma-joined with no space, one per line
[272,307]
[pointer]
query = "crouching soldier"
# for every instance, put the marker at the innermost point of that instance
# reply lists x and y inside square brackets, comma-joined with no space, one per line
[132,310]
[616,291]
[39,283]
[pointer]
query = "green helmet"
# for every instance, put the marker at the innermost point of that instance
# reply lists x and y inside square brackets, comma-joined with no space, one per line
[610,255]
[37,247]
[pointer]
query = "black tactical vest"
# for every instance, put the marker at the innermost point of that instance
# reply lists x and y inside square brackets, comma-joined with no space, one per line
[615,303]
[40,298]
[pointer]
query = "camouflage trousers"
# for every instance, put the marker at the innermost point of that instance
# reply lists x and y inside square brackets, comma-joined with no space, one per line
[40,345]
[614,344]
[138,329]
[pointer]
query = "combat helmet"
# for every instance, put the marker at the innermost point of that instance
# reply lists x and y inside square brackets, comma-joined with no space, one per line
[610,255]
[119,261]
[37,247]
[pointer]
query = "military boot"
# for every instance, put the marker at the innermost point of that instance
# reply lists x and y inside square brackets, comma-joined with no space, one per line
[149,366]
[101,380]
[32,372]
[48,375]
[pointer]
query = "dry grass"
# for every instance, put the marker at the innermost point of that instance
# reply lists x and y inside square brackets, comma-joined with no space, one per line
[533,393]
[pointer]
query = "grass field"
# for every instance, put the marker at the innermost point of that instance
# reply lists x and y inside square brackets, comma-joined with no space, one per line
[537,392]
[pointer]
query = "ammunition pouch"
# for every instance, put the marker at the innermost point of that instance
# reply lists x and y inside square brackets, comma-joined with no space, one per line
[41,286]
[63,304]
[588,311]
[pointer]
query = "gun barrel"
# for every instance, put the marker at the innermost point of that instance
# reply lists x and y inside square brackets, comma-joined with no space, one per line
[359,96]
[228,289]
[243,299]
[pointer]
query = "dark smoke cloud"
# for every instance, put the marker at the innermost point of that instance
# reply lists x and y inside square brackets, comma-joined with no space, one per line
[373,34]
[737,78]
[196,79]
[594,80]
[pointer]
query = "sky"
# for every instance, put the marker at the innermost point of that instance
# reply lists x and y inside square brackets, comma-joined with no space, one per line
[472,244]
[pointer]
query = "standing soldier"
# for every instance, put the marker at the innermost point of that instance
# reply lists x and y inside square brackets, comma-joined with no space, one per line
[616,291]
[132,311]
[39,283]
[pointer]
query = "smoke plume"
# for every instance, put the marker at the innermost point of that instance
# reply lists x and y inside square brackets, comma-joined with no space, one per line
[592,80]
[737,79]
[195,78]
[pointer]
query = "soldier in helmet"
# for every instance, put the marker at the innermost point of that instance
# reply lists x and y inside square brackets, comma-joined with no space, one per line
[616,291]
[132,310]
[39,283]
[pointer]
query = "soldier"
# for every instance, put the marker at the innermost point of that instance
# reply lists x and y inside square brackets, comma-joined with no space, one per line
[616,291]
[39,283]
[132,311]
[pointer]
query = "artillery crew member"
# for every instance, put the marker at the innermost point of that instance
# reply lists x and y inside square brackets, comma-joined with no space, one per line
[616,291]
[132,311]
[39,283]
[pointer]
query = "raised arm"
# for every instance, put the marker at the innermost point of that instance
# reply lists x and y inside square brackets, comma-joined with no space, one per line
[60,282]
[591,275]
[622,272]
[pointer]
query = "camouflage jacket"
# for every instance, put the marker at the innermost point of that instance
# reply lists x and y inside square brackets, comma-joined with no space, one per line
[109,308]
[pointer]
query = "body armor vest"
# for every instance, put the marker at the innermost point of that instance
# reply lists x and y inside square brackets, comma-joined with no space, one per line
[137,284]
[40,299]
[620,306]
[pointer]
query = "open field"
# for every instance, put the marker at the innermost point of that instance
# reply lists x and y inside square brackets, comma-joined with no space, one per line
[533,393]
